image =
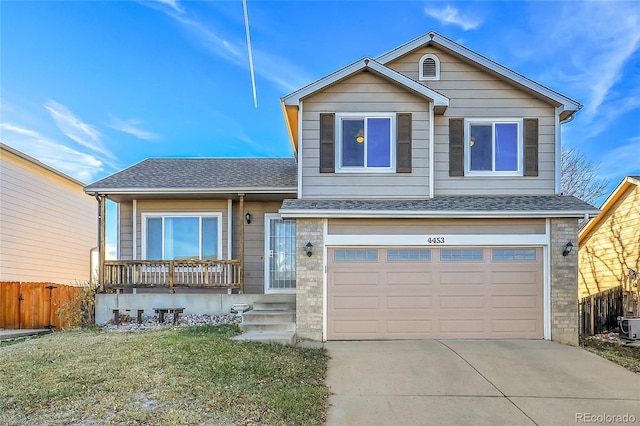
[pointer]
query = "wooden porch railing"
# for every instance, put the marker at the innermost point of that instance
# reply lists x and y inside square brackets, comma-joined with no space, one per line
[173,273]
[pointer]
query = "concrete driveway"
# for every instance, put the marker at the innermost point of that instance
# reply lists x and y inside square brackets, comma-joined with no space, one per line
[477,382]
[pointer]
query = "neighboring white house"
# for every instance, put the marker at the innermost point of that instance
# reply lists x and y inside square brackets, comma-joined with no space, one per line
[47,222]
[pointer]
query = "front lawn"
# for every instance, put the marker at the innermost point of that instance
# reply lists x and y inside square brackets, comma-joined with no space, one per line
[626,356]
[193,375]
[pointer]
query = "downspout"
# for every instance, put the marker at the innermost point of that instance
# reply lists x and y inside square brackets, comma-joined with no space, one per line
[432,171]
[558,174]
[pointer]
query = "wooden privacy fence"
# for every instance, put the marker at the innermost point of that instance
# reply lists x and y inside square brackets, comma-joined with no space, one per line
[599,312]
[37,305]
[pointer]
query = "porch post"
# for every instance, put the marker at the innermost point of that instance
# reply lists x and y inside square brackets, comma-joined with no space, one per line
[102,231]
[241,247]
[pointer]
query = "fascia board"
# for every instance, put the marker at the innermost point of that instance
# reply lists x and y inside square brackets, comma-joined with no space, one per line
[295,97]
[388,214]
[566,102]
[175,191]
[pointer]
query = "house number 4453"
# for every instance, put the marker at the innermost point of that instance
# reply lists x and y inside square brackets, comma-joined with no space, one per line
[435,240]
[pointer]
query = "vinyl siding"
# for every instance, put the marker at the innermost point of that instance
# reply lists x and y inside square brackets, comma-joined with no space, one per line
[612,247]
[435,226]
[474,93]
[126,231]
[48,225]
[365,92]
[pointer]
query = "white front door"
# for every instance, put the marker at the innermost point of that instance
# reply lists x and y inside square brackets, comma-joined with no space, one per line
[280,254]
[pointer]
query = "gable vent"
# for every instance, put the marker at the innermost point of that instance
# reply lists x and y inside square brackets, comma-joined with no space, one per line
[429,67]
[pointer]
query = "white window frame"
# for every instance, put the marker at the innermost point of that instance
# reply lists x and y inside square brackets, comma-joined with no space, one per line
[162,215]
[365,169]
[468,122]
[423,77]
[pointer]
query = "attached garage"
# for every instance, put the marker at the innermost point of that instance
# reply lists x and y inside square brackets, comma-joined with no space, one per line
[383,293]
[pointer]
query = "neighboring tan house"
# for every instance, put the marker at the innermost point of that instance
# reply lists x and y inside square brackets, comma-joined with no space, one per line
[47,223]
[423,202]
[609,243]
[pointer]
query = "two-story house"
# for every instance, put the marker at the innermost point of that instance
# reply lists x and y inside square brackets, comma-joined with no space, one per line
[423,202]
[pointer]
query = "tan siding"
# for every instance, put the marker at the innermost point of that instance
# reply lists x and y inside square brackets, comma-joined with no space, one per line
[126,231]
[254,243]
[474,93]
[365,92]
[431,226]
[48,224]
[613,247]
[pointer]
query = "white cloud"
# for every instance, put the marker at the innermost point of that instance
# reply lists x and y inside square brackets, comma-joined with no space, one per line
[81,166]
[451,15]
[75,129]
[278,70]
[132,127]
[173,4]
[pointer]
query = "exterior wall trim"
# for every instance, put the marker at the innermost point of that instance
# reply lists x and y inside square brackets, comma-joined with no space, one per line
[547,282]
[449,240]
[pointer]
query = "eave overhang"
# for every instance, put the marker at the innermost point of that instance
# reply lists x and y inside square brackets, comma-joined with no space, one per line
[391,214]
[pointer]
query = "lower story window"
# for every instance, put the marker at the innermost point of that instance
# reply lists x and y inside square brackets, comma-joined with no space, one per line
[183,237]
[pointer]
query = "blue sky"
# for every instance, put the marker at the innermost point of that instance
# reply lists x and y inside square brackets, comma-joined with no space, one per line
[91,87]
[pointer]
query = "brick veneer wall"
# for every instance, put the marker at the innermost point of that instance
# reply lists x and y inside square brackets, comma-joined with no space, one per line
[564,282]
[309,289]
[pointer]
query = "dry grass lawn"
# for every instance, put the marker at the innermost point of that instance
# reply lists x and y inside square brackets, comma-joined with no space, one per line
[190,376]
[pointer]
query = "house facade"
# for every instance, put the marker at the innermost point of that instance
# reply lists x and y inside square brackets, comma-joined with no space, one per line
[423,202]
[47,223]
[610,243]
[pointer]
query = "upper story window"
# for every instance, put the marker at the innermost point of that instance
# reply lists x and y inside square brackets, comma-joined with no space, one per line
[429,67]
[182,236]
[494,146]
[366,142]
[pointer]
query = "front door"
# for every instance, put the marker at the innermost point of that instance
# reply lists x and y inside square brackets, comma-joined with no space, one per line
[280,254]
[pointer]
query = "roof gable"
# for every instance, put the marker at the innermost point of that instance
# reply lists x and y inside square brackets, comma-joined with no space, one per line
[567,106]
[608,207]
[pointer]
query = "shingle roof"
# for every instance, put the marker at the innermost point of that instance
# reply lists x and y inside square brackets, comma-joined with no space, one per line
[216,174]
[552,205]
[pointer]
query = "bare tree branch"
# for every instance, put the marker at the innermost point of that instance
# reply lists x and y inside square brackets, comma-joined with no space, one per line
[580,176]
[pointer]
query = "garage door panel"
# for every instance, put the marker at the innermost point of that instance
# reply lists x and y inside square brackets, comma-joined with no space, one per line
[356,279]
[356,302]
[462,302]
[510,277]
[408,302]
[408,278]
[515,301]
[410,327]
[462,326]
[392,299]
[462,278]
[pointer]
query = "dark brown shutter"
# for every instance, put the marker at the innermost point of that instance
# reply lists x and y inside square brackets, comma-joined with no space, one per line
[531,147]
[456,147]
[327,143]
[403,143]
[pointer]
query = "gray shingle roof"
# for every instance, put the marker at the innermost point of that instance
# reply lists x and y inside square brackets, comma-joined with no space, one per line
[202,173]
[503,204]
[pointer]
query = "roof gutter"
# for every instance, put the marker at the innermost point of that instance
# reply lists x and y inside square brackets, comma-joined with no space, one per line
[176,191]
[390,214]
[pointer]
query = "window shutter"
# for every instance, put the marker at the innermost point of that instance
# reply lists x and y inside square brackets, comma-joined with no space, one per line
[456,147]
[531,147]
[429,67]
[327,143]
[403,143]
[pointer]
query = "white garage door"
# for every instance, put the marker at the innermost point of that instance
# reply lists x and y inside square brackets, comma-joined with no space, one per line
[444,292]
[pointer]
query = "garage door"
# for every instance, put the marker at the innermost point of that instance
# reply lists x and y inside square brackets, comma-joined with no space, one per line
[418,293]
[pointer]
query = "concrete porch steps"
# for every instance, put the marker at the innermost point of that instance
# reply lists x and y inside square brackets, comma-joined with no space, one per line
[269,322]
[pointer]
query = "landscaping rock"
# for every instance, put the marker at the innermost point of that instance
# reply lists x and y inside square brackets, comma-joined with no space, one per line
[151,322]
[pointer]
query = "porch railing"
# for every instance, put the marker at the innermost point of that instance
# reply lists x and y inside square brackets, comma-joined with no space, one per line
[173,273]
